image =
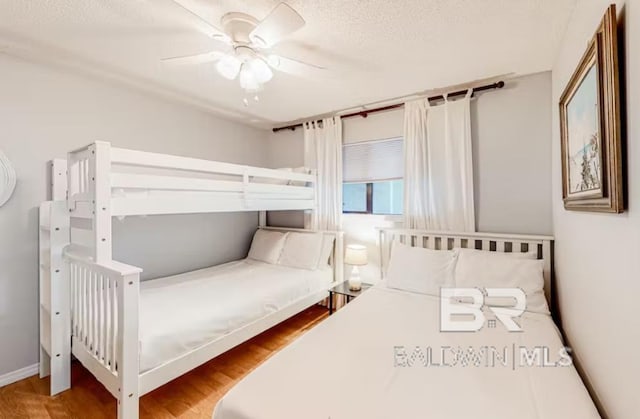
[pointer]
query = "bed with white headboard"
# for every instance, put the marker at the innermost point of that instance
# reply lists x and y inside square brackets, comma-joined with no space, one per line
[492,242]
[360,362]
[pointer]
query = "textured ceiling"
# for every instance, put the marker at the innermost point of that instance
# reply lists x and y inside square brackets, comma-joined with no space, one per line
[373,49]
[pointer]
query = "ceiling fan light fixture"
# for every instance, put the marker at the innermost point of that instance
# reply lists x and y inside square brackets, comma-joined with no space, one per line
[228,67]
[260,69]
[248,80]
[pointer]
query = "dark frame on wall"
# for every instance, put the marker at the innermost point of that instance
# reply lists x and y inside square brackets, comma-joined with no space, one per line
[592,170]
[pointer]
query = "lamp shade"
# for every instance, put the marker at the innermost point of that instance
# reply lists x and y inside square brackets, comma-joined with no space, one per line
[356,254]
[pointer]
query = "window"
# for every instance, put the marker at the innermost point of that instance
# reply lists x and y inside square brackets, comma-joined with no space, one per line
[373,198]
[372,174]
[355,197]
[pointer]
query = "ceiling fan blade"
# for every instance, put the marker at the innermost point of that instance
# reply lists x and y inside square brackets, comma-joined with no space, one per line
[296,67]
[205,26]
[282,21]
[207,57]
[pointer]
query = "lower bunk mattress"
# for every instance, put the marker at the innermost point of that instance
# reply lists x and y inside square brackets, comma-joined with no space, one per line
[183,312]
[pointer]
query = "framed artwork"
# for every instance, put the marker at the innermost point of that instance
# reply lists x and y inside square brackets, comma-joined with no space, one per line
[590,127]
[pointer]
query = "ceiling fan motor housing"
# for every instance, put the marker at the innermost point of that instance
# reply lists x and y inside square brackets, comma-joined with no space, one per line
[238,26]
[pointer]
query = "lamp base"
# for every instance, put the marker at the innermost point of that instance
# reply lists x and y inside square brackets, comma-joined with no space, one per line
[355,283]
[355,287]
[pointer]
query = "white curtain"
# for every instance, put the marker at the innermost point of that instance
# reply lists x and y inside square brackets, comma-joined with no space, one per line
[323,152]
[438,180]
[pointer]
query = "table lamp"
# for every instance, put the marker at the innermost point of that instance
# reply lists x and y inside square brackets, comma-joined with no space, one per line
[356,255]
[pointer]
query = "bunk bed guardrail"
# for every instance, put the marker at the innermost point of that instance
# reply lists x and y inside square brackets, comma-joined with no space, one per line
[144,183]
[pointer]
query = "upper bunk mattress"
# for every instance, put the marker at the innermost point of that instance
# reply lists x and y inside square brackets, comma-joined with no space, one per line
[358,364]
[182,312]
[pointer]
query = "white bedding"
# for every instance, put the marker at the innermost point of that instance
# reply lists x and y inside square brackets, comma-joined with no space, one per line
[344,369]
[182,312]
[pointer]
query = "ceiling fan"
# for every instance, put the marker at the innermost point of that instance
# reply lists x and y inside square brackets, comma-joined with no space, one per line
[244,47]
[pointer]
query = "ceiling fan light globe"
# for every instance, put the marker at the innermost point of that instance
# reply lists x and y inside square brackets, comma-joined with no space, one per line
[260,70]
[228,67]
[248,80]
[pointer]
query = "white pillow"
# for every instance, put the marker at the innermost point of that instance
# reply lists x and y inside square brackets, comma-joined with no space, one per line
[267,246]
[303,170]
[301,250]
[420,270]
[325,250]
[476,268]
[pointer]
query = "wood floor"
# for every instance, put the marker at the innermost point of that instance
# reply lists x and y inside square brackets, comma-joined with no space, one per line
[191,396]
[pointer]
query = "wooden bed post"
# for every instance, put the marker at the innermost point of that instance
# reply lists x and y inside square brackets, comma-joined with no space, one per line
[58,172]
[383,254]
[128,361]
[99,173]
[547,270]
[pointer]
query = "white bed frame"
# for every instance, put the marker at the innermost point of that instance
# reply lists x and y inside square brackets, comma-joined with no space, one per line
[494,242]
[89,302]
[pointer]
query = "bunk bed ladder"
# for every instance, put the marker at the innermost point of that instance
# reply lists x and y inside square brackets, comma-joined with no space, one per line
[55,342]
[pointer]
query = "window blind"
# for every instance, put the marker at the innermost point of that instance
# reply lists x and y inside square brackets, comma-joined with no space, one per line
[373,161]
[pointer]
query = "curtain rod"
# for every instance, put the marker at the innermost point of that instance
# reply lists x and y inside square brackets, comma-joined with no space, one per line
[364,113]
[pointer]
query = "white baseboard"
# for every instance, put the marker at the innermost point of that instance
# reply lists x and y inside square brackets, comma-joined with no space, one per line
[17,375]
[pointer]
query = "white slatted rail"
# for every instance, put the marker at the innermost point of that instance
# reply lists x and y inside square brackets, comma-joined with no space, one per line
[143,183]
[493,242]
[104,326]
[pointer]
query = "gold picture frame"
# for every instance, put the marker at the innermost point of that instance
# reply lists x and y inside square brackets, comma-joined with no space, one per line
[590,127]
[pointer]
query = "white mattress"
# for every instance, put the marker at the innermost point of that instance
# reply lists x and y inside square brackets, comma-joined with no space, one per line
[344,369]
[182,312]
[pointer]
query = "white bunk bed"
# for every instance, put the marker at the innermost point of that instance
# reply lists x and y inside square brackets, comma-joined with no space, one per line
[90,304]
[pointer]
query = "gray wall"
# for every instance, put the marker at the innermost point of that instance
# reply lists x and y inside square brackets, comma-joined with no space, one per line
[511,134]
[597,264]
[45,112]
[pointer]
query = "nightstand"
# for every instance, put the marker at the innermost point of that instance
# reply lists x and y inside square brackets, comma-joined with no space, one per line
[343,289]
